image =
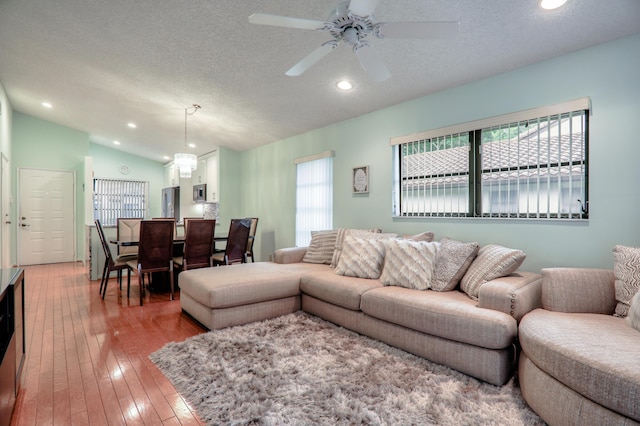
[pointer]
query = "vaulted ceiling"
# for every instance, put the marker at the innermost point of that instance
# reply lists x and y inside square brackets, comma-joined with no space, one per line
[103,64]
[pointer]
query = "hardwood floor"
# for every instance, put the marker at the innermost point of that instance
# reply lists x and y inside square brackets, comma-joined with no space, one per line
[87,358]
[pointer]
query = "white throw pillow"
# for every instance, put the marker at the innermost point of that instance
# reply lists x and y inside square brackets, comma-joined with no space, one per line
[493,261]
[361,257]
[409,264]
[626,269]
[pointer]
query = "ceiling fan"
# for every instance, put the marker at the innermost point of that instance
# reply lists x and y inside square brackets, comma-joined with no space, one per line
[353,22]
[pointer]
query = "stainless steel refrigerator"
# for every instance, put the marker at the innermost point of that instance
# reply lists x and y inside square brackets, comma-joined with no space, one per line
[171,202]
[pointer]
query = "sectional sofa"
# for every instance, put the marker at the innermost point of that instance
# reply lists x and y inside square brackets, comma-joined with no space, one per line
[367,284]
[580,364]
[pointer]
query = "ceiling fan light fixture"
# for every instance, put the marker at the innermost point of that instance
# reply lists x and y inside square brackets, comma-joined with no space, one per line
[551,4]
[184,161]
[344,85]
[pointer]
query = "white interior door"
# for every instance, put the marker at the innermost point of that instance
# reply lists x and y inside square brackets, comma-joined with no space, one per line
[46,216]
[5,212]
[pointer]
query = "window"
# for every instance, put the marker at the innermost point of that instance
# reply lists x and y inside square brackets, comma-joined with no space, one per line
[531,164]
[114,198]
[314,196]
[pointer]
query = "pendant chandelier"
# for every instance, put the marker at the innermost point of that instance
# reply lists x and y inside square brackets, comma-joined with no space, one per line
[186,162]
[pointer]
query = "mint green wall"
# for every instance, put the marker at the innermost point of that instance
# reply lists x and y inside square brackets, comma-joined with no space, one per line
[6,115]
[107,163]
[230,189]
[607,73]
[44,145]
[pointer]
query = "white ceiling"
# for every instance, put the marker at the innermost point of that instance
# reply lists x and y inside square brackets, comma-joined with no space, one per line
[104,63]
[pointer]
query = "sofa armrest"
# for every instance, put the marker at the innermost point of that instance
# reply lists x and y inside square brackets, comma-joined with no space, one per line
[515,294]
[579,290]
[289,255]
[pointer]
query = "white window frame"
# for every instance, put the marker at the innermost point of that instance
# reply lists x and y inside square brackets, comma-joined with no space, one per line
[314,195]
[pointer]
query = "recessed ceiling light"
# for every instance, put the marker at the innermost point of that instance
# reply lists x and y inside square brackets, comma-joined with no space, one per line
[166,157]
[116,142]
[47,105]
[551,4]
[344,85]
[192,145]
[132,125]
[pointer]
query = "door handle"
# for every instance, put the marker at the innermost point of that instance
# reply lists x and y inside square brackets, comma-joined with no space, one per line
[24,225]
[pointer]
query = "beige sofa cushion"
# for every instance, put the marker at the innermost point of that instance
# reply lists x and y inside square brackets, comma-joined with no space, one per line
[321,248]
[627,272]
[596,355]
[337,289]
[450,315]
[227,286]
[493,261]
[409,263]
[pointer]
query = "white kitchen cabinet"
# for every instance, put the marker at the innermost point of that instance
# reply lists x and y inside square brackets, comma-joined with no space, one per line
[213,194]
[200,174]
[171,175]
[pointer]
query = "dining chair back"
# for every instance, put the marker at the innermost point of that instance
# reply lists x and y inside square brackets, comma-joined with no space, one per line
[110,263]
[252,238]
[172,220]
[236,249]
[155,251]
[128,228]
[186,220]
[198,245]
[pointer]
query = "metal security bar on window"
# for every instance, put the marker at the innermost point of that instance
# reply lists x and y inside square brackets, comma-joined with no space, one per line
[535,168]
[527,164]
[114,198]
[435,176]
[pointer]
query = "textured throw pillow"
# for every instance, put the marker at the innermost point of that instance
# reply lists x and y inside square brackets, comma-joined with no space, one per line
[342,233]
[626,269]
[423,236]
[493,261]
[409,263]
[452,261]
[361,257]
[321,248]
[634,312]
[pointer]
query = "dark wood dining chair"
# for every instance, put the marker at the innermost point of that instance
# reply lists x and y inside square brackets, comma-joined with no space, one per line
[198,246]
[155,252]
[236,249]
[185,222]
[252,238]
[110,264]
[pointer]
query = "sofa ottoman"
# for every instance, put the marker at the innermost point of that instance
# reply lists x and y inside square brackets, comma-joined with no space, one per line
[232,295]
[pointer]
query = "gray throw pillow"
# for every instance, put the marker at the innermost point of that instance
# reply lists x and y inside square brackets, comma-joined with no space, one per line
[452,261]
[493,261]
[342,233]
[626,269]
[409,264]
[321,248]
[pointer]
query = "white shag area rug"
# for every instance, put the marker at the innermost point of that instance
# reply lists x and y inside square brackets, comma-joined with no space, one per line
[300,370]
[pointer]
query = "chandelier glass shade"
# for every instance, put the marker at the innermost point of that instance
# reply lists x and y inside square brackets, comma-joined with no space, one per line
[185,162]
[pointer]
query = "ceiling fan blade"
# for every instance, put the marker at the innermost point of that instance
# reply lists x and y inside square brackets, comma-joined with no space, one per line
[372,62]
[362,7]
[312,58]
[418,29]
[285,21]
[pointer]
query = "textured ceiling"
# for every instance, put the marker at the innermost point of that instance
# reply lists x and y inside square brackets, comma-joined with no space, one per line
[103,64]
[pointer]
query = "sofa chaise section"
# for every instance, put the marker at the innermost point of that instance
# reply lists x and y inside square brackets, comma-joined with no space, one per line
[232,295]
